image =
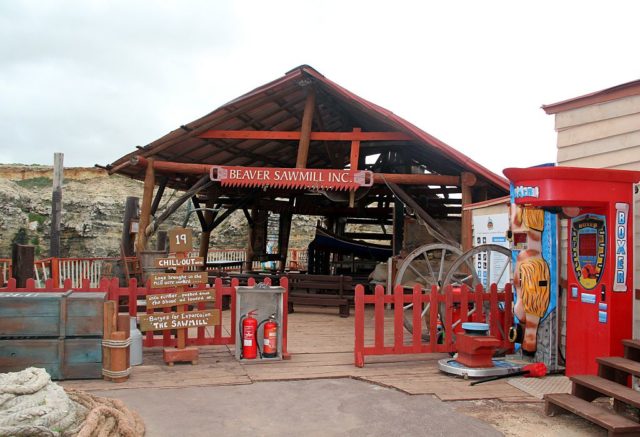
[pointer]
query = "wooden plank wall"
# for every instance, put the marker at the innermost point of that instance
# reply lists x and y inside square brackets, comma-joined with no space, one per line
[604,135]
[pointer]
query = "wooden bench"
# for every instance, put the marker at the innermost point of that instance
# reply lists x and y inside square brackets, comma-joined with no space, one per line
[320,290]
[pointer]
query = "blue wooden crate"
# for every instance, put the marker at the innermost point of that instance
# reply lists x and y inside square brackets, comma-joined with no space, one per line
[47,314]
[70,358]
[61,332]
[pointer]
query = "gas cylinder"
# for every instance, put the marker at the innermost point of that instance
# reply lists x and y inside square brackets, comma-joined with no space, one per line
[249,331]
[270,341]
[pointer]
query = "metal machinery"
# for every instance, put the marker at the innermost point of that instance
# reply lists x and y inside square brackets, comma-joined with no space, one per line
[443,265]
[599,308]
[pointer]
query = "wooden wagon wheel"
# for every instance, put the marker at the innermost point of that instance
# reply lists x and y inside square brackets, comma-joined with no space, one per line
[427,266]
[468,268]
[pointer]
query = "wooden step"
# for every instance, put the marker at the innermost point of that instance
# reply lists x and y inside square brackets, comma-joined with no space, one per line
[558,403]
[632,349]
[624,365]
[594,386]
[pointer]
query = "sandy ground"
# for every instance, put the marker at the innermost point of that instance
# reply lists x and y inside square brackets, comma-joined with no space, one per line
[527,419]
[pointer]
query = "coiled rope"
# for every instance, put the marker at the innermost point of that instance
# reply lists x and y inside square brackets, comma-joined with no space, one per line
[32,405]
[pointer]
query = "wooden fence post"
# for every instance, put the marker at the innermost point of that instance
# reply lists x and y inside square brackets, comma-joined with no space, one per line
[22,257]
[358,349]
[56,205]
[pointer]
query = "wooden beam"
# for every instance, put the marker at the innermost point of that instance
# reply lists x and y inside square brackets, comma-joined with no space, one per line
[305,129]
[248,105]
[355,150]
[416,179]
[276,124]
[440,233]
[130,215]
[355,135]
[206,234]
[284,233]
[240,203]
[159,194]
[468,180]
[398,226]
[201,184]
[145,212]
[367,236]
[378,178]
[201,219]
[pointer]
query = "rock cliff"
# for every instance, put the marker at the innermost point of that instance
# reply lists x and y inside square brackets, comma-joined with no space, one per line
[92,213]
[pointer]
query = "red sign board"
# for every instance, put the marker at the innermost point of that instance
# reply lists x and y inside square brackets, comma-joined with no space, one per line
[291,177]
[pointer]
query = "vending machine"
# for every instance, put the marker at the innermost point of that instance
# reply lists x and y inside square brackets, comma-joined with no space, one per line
[599,283]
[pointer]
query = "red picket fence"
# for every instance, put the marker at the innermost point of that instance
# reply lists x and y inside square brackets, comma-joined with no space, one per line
[454,300]
[132,294]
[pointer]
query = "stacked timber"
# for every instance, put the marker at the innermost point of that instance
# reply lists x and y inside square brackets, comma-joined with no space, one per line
[60,332]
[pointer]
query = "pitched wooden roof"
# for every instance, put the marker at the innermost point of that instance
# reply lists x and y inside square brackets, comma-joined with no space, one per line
[279,106]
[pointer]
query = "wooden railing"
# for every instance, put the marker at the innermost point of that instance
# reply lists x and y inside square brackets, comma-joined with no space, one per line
[93,269]
[296,258]
[133,296]
[456,303]
[5,270]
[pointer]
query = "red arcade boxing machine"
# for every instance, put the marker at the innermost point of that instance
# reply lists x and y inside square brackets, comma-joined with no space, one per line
[600,293]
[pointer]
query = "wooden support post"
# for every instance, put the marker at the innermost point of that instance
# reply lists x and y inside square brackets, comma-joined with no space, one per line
[398,226]
[22,257]
[467,181]
[130,224]
[355,150]
[56,204]
[206,232]
[161,241]
[283,238]
[181,338]
[145,213]
[305,128]
[257,243]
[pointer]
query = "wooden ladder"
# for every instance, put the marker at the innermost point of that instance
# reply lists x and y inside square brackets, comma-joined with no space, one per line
[613,374]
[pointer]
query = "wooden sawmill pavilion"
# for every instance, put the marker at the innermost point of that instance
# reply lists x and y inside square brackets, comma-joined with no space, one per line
[303,144]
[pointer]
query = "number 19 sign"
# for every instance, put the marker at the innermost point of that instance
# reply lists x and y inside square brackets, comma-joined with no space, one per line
[180,240]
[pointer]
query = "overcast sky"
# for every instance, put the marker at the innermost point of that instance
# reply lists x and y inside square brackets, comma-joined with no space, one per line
[93,79]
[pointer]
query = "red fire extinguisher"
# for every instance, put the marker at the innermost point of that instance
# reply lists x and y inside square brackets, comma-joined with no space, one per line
[249,330]
[270,341]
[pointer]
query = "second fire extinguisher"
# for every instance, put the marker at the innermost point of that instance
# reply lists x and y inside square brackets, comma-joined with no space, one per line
[270,343]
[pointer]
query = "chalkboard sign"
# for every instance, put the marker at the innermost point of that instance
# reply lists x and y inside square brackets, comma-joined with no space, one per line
[167,280]
[179,298]
[191,319]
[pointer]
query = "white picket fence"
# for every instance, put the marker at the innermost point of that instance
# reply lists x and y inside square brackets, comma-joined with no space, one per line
[93,269]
